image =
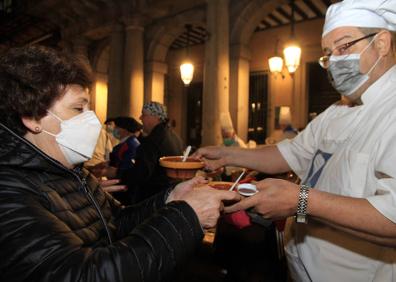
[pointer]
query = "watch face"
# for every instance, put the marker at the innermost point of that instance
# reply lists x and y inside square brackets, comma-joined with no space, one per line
[301,218]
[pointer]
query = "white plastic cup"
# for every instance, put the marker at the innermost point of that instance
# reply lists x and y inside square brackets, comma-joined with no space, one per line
[247,189]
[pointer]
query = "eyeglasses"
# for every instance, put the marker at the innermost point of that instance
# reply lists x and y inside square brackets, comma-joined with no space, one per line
[324,61]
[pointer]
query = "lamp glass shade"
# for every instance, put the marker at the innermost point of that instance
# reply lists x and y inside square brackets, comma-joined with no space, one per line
[292,55]
[186,72]
[275,64]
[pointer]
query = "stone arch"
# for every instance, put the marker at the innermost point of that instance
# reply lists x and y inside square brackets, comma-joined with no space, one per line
[160,36]
[100,56]
[247,19]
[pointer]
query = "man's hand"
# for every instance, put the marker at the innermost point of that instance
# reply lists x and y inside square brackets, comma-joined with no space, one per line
[110,186]
[212,156]
[276,199]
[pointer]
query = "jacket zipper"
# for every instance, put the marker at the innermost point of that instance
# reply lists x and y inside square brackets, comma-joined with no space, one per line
[90,196]
[83,182]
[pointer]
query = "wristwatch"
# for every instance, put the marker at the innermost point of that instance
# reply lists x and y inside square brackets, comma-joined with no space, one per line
[301,215]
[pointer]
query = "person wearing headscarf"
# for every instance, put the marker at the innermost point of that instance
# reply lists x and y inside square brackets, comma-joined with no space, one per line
[345,207]
[147,177]
[153,114]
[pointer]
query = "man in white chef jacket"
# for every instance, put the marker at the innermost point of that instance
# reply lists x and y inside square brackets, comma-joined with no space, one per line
[345,208]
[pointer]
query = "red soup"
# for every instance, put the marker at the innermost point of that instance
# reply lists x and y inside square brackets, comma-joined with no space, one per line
[221,186]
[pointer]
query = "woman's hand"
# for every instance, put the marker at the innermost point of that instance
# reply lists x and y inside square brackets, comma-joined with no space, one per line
[276,199]
[208,203]
[184,187]
[110,186]
[98,169]
[204,200]
[103,169]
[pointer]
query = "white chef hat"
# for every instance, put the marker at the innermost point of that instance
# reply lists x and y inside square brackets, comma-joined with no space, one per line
[226,122]
[361,13]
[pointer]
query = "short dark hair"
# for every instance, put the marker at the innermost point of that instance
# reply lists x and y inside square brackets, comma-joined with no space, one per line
[128,123]
[107,121]
[32,78]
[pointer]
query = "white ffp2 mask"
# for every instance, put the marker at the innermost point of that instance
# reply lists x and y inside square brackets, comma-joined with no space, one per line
[78,136]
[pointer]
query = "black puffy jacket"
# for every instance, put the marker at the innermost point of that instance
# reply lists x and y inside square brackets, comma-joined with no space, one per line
[57,224]
[147,177]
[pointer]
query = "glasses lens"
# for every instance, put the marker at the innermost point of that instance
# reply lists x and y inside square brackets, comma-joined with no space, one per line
[324,62]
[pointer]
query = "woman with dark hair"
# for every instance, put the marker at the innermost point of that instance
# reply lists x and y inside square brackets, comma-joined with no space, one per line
[56,223]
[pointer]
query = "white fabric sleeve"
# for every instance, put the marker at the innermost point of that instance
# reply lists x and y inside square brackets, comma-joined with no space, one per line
[384,199]
[287,151]
[299,151]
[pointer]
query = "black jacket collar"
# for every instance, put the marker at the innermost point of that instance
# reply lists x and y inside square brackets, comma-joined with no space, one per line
[16,151]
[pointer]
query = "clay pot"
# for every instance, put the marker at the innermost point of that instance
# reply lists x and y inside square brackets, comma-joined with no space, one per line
[177,169]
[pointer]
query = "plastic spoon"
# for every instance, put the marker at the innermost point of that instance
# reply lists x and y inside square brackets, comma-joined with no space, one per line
[186,153]
[236,181]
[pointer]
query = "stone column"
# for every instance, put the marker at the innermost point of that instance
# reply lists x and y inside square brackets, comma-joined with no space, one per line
[134,68]
[239,89]
[216,74]
[115,99]
[155,81]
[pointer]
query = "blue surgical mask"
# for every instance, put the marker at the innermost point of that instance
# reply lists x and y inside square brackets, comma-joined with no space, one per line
[344,72]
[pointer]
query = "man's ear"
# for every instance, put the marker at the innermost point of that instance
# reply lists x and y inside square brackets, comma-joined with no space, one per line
[33,125]
[384,43]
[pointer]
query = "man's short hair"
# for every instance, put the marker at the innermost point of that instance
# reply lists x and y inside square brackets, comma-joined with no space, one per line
[109,120]
[128,123]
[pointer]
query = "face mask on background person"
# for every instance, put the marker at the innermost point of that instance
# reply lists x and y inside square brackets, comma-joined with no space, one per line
[116,133]
[228,142]
[109,129]
[78,136]
[344,72]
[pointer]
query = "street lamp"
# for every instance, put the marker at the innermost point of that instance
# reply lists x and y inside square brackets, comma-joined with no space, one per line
[292,50]
[187,68]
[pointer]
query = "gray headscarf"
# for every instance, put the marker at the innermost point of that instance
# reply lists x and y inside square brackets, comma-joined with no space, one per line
[156,109]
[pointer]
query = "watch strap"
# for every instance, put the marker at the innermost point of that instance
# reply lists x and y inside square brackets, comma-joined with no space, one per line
[302,205]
